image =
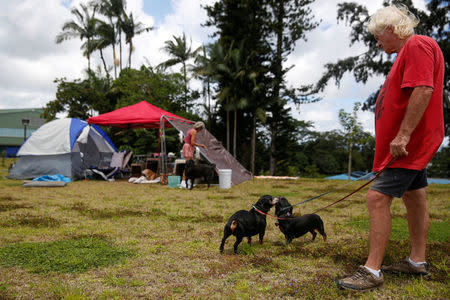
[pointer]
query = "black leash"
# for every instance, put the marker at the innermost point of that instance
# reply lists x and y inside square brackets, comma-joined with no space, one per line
[318,196]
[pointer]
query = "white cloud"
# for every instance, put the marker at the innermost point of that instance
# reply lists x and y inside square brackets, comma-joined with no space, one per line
[30,60]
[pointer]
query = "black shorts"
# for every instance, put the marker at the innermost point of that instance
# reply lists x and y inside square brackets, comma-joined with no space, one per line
[396,181]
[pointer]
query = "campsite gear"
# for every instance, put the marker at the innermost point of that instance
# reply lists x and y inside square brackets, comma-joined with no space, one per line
[63,146]
[214,153]
[405,267]
[31,183]
[225,178]
[146,115]
[56,177]
[174,181]
[361,280]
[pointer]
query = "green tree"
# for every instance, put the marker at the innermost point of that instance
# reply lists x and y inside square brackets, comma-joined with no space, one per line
[131,28]
[240,22]
[161,89]
[374,61]
[80,98]
[114,10]
[105,36]
[180,53]
[352,131]
[289,22]
[203,70]
[83,28]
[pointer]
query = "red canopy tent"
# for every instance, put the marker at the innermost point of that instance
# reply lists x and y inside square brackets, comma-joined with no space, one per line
[139,115]
[146,115]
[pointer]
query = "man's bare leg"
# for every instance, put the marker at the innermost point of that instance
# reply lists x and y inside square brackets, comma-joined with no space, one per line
[418,222]
[380,227]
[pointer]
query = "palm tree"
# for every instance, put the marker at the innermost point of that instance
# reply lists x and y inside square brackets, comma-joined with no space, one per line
[203,70]
[84,28]
[180,53]
[114,10]
[105,36]
[131,28]
[231,71]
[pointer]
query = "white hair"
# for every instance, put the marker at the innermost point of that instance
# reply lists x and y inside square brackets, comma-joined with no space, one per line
[398,17]
[199,125]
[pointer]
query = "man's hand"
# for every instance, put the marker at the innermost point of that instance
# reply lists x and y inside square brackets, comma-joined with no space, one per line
[398,146]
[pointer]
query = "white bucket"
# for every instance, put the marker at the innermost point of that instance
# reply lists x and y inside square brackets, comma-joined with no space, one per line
[224,178]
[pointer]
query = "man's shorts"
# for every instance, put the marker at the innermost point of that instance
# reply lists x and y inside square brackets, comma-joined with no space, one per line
[396,181]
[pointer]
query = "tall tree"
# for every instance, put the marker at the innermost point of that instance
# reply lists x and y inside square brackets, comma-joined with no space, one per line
[237,22]
[114,10]
[203,70]
[352,130]
[180,53]
[290,21]
[131,28]
[83,28]
[374,61]
[105,36]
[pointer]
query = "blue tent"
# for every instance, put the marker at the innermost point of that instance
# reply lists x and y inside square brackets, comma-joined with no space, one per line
[63,146]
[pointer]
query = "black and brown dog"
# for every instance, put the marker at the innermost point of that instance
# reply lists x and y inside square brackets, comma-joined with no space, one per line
[193,171]
[294,227]
[245,223]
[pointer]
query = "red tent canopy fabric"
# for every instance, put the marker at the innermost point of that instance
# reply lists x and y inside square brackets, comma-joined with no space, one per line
[139,115]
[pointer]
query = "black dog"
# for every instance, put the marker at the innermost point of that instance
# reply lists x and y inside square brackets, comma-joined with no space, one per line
[193,171]
[245,223]
[294,227]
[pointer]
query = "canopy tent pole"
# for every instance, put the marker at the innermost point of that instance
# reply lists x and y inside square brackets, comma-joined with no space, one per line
[162,154]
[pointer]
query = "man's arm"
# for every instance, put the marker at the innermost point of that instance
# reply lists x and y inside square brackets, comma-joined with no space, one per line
[418,103]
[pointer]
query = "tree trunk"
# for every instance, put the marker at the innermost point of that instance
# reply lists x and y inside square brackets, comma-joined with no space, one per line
[278,74]
[104,64]
[349,161]
[115,60]
[228,131]
[129,57]
[120,46]
[185,81]
[252,162]
[273,161]
[235,133]
[209,104]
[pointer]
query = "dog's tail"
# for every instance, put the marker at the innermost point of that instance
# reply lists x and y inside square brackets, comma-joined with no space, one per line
[233,225]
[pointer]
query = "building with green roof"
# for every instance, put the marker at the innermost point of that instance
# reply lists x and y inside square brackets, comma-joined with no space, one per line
[15,126]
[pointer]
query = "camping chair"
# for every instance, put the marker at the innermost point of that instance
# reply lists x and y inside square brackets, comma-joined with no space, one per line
[119,166]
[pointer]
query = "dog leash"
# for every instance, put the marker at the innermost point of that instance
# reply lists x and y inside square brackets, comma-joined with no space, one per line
[265,214]
[345,197]
[341,187]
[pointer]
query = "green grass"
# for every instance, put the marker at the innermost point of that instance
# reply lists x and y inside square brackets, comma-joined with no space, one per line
[438,232]
[116,240]
[67,256]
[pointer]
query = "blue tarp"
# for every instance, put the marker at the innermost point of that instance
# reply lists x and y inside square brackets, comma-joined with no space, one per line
[354,176]
[438,181]
[57,177]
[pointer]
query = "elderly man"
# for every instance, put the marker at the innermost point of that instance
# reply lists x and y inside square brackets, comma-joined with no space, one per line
[409,129]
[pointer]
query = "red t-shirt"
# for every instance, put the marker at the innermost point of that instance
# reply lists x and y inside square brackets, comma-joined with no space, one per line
[419,63]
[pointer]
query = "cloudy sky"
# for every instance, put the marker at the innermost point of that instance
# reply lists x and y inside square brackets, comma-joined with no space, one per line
[30,59]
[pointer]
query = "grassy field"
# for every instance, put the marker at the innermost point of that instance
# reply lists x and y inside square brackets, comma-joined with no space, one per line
[116,240]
